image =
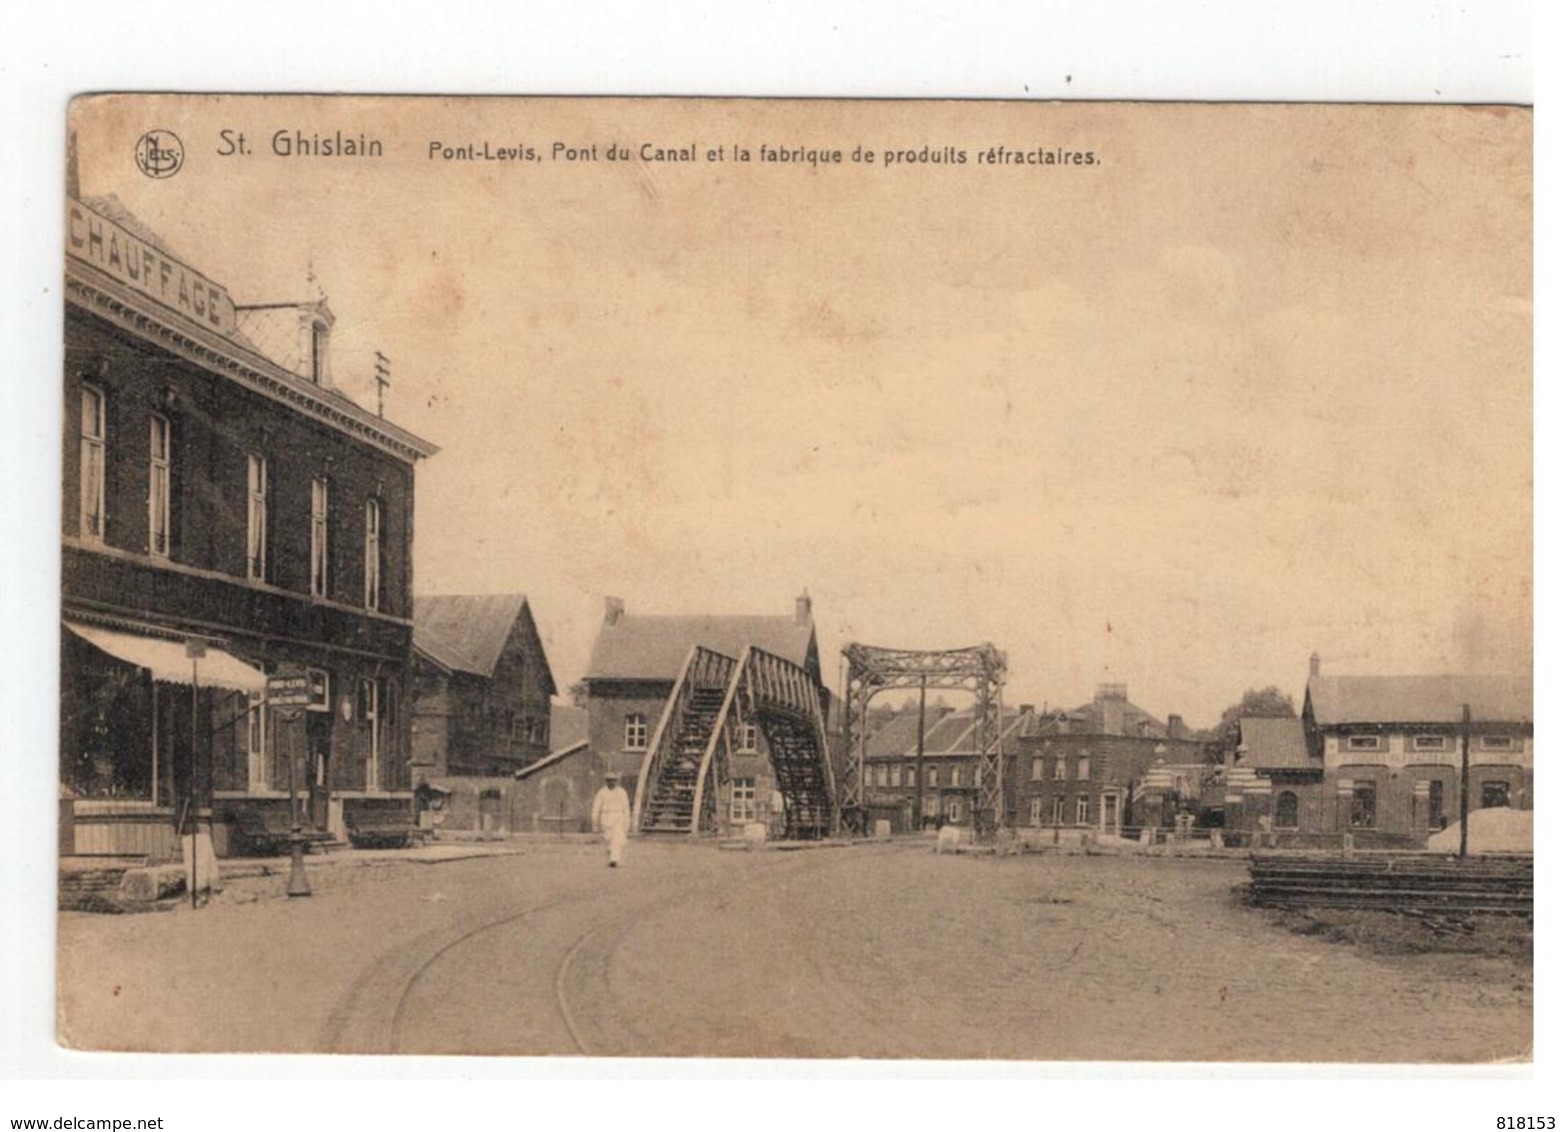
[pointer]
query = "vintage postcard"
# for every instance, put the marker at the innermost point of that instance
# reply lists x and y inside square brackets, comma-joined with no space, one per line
[804,579]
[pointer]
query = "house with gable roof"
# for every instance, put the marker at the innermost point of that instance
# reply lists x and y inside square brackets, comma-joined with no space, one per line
[482,685]
[636,661]
[950,765]
[1389,748]
[1379,757]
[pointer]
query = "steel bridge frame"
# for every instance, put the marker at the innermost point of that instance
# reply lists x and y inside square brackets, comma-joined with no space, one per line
[780,698]
[979,670]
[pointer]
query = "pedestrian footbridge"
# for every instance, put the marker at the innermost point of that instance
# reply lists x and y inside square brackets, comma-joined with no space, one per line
[713,702]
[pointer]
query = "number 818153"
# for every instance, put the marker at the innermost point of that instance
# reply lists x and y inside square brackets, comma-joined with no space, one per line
[1525,1124]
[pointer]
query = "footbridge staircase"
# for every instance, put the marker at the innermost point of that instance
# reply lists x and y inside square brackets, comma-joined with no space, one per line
[689,758]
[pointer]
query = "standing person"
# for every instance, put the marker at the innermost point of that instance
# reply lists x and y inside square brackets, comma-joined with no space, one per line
[611,816]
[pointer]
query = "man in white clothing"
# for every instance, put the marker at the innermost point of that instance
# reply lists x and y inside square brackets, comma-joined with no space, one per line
[611,817]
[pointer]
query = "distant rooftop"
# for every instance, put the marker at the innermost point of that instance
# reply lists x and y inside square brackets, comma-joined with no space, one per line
[652,647]
[1339,700]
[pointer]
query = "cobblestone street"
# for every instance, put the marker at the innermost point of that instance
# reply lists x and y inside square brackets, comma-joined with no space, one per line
[880,951]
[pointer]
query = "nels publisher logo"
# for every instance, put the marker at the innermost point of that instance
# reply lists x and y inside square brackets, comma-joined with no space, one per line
[160,153]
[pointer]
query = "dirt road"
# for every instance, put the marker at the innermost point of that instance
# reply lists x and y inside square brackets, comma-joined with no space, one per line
[869,951]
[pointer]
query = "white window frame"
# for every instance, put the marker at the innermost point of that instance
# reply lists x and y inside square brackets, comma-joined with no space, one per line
[94,462]
[1058,809]
[1430,742]
[320,535]
[369,715]
[953,808]
[255,741]
[1036,815]
[1083,768]
[741,800]
[748,738]
[1365,742]
[636,736]
[931,775]
[896,774]
[160,452]
[255,517]
[1059,769]
[1037,768]
[1083,809]
[1496,743]
[372,554]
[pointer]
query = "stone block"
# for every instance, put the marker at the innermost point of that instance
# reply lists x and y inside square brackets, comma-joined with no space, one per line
[153,883]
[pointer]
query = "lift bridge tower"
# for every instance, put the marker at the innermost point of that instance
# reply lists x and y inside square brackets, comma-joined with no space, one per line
[979,670]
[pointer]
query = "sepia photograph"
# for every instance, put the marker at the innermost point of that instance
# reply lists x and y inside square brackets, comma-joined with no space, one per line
[823,579]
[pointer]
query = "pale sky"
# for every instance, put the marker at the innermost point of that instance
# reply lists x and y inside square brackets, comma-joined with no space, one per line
[1257,384]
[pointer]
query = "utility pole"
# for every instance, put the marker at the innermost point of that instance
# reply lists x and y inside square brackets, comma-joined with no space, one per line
[917,805]
[1466,771]
[382,381]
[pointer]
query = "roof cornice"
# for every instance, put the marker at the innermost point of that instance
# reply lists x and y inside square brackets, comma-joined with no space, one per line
[107,299]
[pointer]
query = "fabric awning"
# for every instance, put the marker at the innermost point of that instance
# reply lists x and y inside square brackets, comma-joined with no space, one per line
[167,662]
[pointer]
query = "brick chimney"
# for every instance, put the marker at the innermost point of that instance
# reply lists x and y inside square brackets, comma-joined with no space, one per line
[1175,726]
[1314,664]
[613,610]
[803,609]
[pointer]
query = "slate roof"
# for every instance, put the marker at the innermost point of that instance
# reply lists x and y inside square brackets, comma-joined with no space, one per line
[656,647]
[1274,743]
[946,732]
[467,632]
[1090,719]
[1342,700]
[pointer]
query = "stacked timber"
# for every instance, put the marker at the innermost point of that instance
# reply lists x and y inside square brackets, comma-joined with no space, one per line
[1404,883]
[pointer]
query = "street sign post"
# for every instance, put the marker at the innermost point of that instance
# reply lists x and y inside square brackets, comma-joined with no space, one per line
[289,692]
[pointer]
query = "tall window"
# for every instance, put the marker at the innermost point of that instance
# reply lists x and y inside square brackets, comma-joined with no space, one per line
[1083,809]
[94,431]
[896,774]
[1286,810]
[1059,771]
[371,554]
[255,741]
[1363,805]
[1037,811]
[932,776]
[1436,804]
[749,738]
[1083,767]
[159,455]
[1037,768]
[743,803]
[317,353]
[1058,809]
[369,723]
[635,732]
[319,504]
[255,520]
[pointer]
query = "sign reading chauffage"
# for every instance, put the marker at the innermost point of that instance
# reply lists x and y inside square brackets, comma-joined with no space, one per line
[113,249]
